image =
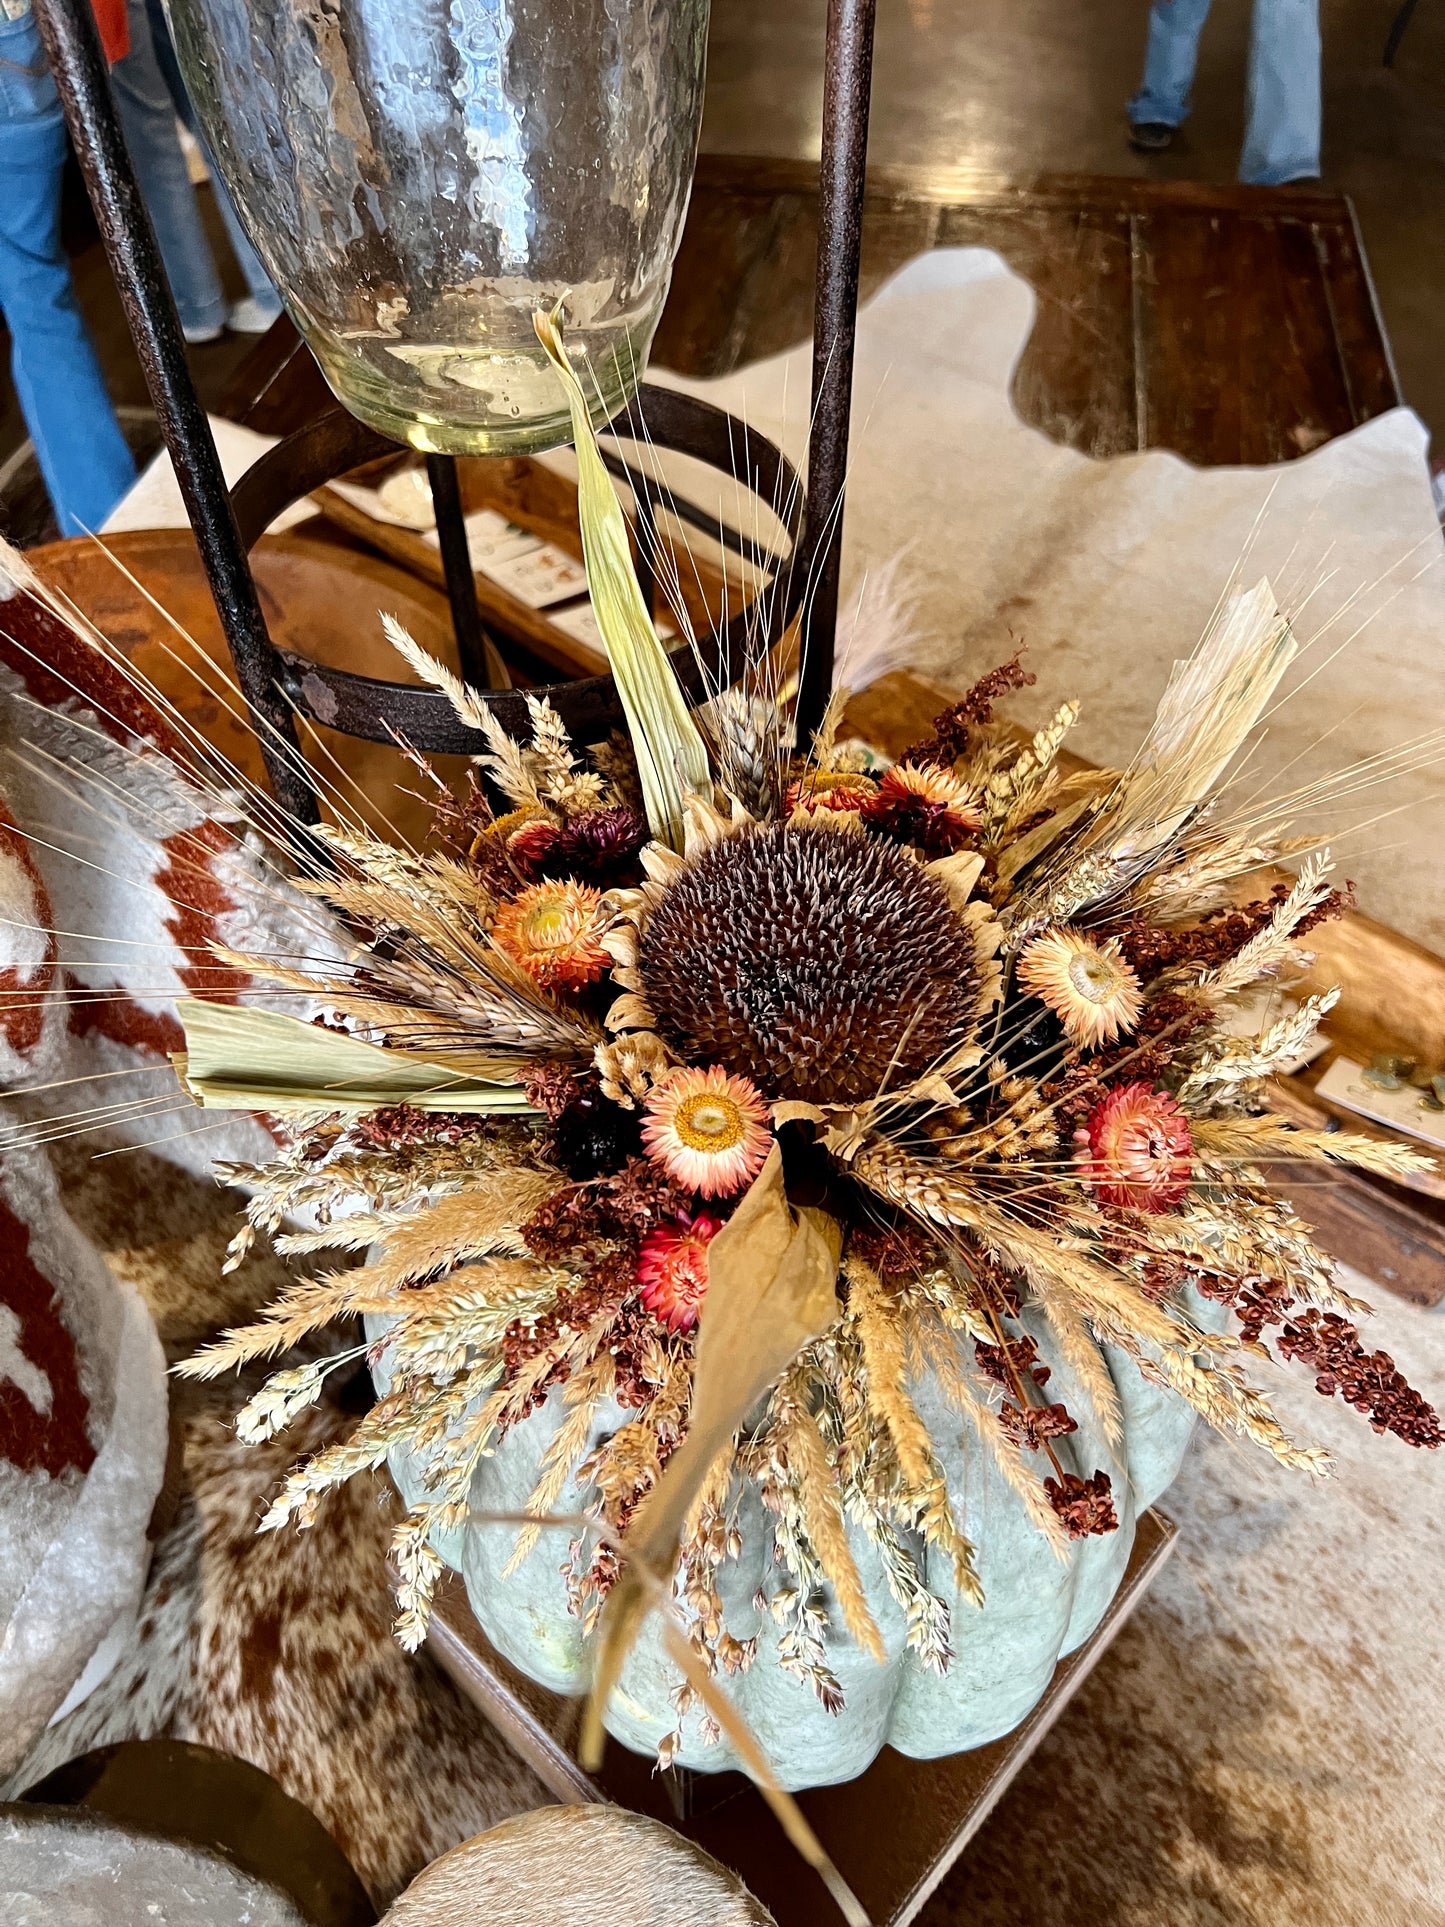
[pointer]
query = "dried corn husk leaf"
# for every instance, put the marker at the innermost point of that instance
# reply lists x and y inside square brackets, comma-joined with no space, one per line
[240,1059]
[771,1290]
[671,757]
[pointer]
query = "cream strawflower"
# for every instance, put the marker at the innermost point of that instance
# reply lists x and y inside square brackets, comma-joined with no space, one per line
[1089,987]
[708,1130]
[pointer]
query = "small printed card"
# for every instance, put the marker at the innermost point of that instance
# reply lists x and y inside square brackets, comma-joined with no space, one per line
[1344,1084]
[535,572]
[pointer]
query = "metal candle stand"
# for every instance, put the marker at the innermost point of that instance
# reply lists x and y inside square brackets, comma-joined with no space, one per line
[278,685]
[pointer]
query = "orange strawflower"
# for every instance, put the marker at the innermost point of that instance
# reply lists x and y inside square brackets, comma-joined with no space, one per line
[552,931]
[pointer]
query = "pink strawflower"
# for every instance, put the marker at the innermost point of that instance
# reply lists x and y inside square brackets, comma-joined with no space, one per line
[672,1270]
[1134,1149]
[707,1129]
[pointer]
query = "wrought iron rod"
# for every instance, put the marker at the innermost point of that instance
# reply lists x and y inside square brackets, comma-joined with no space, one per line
[471,638]
[77,62]
[847,84]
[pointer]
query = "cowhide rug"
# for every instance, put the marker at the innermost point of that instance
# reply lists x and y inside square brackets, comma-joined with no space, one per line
[1263,1746]
[276,1648]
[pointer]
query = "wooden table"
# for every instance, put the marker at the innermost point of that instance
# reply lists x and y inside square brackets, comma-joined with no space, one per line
[1231,324]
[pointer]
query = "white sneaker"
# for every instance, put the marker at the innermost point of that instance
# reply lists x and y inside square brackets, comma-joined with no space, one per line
[198,337]
[251,317]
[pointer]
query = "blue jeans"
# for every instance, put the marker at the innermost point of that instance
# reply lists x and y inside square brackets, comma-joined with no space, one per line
[148,116]
[1282,131]
[83,455]
[250,263]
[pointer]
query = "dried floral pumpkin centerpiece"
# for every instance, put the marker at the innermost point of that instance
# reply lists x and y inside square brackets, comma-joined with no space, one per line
[728,1083]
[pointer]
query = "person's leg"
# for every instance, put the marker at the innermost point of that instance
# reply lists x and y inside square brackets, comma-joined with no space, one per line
[83,455]
[263,293]
[263,290]
[1282,130]
[1174,30]
[148,115]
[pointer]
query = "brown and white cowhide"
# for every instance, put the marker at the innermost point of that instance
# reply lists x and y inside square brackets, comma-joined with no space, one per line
[32,988]
[588,1866]
[137,868]
[276,1648]
[82,1452]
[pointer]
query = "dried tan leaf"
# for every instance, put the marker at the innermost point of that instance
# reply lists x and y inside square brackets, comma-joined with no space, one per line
[772,1289]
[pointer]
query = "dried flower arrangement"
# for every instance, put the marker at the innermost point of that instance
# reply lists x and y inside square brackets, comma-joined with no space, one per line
[919,1043]
[732,1080]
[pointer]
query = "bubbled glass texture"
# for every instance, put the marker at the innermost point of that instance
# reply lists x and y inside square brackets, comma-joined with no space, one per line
[420,175]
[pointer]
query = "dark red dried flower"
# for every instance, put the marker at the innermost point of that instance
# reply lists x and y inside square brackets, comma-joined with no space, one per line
[642,1195]
[569,1222]
[1331,1347]
[926,805]
[1084,1505]
[621,1208]
[601,847]
[1030,1425]
[951,728]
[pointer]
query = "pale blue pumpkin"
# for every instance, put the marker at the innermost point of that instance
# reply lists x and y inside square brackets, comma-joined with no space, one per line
[1036,1608]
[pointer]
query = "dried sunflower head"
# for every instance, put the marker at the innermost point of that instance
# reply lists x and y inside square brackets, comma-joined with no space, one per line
[822,965]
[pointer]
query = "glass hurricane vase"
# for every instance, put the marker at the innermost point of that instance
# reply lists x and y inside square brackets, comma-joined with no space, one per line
[420,175]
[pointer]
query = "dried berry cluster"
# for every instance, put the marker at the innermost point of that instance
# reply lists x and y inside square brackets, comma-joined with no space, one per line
[951,729]
[1330,1346]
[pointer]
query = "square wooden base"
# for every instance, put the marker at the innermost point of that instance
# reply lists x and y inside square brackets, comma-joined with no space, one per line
[893,1832]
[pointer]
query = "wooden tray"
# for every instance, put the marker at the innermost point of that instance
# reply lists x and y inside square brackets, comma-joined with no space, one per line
[933,1807]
